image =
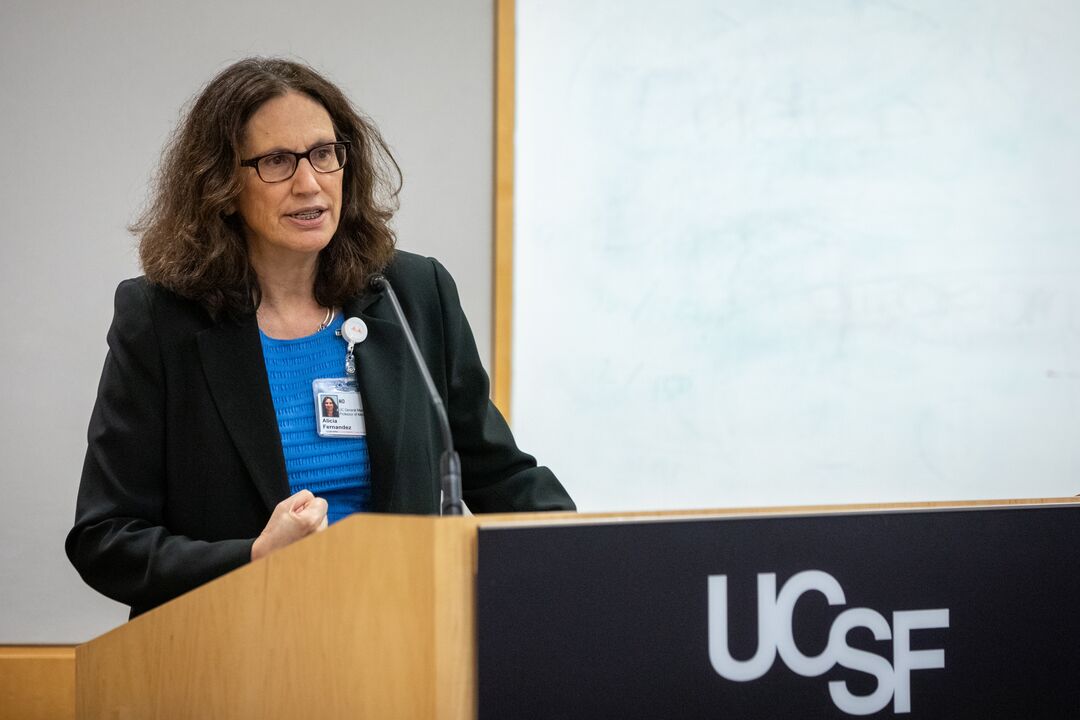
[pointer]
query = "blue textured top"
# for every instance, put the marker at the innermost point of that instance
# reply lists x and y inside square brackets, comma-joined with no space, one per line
[336,469]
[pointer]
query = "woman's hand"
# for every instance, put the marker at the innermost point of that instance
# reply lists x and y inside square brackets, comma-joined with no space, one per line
[295,517]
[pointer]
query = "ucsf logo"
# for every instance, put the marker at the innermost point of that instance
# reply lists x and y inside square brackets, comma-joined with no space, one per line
[775,635]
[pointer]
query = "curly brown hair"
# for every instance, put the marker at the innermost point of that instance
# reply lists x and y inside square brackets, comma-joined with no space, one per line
[190,238]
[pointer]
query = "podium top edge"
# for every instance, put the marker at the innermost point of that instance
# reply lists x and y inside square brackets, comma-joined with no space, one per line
[523,520]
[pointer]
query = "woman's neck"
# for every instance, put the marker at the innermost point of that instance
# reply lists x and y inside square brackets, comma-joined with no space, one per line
[288,308]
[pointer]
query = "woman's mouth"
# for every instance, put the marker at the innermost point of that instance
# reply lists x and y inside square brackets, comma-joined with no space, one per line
[307,214]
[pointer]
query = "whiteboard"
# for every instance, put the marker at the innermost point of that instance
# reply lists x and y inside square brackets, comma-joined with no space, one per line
[798,252]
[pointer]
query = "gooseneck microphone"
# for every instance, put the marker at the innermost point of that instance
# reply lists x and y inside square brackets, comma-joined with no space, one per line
[449,463]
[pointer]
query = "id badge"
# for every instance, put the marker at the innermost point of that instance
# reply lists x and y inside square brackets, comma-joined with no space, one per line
[338,409]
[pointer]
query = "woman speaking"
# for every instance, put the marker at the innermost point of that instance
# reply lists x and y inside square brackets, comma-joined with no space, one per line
[209,444]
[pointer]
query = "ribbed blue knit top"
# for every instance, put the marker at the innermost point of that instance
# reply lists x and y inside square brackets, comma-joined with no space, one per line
[336,469]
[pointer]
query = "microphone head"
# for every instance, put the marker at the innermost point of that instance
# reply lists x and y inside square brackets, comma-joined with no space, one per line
[377,281]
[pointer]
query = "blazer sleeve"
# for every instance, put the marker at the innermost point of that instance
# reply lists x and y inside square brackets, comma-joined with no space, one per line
[119,543]
[496,476]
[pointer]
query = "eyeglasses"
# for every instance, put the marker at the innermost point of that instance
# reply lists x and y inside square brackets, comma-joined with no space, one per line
[280,166]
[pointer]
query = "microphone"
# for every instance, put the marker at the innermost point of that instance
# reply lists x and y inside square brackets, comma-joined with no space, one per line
[449,463]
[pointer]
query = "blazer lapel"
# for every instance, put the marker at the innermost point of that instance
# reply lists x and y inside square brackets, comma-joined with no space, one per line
[236,373]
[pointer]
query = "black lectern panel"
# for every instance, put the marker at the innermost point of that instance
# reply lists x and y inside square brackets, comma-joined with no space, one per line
[951,614]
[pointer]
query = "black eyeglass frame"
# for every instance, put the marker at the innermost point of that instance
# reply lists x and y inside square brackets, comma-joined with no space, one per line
[254,162]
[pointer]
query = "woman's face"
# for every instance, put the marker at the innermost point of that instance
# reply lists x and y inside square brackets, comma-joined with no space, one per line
[295,218]
[328,406]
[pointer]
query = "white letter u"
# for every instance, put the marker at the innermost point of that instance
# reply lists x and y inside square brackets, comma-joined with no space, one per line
[719,653]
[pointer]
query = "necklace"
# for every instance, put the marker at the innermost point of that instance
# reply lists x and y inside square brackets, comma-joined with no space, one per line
[330,313]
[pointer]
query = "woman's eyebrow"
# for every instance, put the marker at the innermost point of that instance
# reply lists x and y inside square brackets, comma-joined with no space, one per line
[283,149]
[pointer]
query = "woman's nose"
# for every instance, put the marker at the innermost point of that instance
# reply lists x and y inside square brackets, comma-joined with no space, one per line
[304,180]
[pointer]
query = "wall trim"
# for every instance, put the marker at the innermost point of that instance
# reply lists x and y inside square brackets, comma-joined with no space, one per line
[37,682]
[503,252]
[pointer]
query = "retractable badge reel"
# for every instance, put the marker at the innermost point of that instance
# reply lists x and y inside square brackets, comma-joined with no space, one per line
[338,407]
[354,330]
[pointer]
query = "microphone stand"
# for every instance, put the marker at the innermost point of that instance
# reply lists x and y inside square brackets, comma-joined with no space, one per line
[449,462]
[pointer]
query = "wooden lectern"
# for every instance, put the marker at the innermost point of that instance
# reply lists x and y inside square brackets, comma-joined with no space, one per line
[377,617]
[372,618]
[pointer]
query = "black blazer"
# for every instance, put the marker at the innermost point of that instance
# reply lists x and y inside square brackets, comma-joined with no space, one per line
[184,462]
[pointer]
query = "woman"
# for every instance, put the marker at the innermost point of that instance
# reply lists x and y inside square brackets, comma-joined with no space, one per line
[204,447]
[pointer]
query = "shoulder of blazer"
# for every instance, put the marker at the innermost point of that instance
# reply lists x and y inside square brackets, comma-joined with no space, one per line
[176,319]
[413,272]
[424,287]
[163,304]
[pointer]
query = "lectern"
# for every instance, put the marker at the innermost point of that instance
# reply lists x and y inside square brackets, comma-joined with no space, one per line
[924,610]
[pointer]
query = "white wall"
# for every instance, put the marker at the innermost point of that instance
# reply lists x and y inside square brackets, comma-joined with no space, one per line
[88,94]
[798,252]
